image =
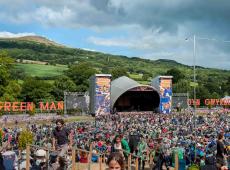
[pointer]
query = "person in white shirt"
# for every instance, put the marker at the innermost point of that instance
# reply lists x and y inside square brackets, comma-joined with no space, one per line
[10,158]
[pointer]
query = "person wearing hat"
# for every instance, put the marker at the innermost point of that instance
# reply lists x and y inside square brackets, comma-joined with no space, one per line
[40,160]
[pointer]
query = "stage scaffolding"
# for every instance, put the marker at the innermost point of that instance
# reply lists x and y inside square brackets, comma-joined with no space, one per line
[76,103]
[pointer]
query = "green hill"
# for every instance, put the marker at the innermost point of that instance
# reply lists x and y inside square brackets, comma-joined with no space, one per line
[43,69]
[41,49]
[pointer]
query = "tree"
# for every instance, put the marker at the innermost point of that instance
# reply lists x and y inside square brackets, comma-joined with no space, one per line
[34,90]
[105,69]
[118,72]
[181,87]
[4,79]
[80,74]
[215,95]
[25,137]
[5,66]
[226,86]
[176,73]
[17,73]
[213,86]
[11,92]
[61,84]
[5,60]
[202,93]
[146,76]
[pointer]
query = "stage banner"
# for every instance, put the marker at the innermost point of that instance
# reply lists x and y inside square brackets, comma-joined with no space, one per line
[165,95]
[100,95]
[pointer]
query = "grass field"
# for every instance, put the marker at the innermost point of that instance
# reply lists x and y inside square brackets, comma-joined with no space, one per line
[41,70]
[144,82]
[135,76]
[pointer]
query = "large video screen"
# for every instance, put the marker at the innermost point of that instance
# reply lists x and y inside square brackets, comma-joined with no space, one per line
[102,105]
[165,95]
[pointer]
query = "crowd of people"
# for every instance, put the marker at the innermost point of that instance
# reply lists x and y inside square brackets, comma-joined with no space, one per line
[201,142]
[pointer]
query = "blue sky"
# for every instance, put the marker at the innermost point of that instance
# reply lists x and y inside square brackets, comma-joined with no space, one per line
[141,28]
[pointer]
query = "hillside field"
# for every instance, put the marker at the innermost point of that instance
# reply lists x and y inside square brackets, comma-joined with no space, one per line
[40,70]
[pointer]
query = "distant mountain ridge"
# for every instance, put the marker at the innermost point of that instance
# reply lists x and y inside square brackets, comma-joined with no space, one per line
[42,49]
[46,41]
[34,38]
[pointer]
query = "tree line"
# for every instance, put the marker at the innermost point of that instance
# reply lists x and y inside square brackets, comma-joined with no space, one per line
[16,86]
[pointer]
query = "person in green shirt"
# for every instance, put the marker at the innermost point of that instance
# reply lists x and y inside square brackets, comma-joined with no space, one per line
[142,152]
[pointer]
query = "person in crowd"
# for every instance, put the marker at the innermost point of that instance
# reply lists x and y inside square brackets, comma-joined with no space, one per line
[10,158]
[53,161]
[133,142]
[142,152]
[61,137]
[158,159]
[62,164]
[2,167]
[168,131]
[83,157]
[120,145]
[116,161]
[40,160]
[210,162]
[220,155]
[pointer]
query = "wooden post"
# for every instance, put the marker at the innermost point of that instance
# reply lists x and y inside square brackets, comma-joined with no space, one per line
[78,164]
[100,162]
[176,162]
[20,158]
[90,156]
[27,157]
[151,158]
[129,161]
[47,158]
[73,159]
[136,164]
[104,158]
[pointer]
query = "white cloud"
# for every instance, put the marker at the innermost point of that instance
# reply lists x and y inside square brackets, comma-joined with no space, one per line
[88,49]
[154,28]
[109,42]
[141,39]
[48,16]
[6,34]
[155,44]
